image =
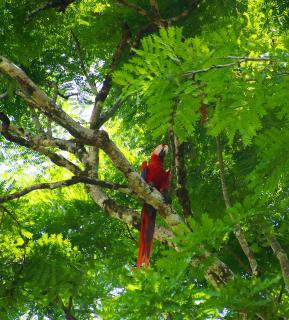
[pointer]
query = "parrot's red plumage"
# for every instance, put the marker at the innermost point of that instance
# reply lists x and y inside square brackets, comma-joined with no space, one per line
[155,174]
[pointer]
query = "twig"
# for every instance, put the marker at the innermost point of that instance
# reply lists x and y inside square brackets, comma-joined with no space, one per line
[4,209]
[33,145]
[135,7]
[238,231]
[191,74]
[222,173]
[65,183]
[281,293]
[82,65]
[4,94]
[154,19]
[186,12]
[282,257]
[67,96]
[130,235]
[155,9]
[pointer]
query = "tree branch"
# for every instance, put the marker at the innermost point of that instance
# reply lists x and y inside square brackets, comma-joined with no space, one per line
[82,65]
[155,9]
[55,158]
[217,273]
[282,257]
[191,74]
[4,95]
[106,85]
[143,30]
[32,94]
[193,4]
[61,5]
[108,114]
[37,123]
[71,146]
[138,185]
[130,236]
[125,214]
[67,310]
[154,19]
[135,7]
[86,136]
[238,231]
[66,183]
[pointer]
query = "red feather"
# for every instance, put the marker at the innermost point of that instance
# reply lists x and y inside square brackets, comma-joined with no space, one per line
[148,218]
[155,174]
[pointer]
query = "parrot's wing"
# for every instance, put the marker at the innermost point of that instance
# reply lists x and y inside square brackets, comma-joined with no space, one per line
[144,173]
[144,169]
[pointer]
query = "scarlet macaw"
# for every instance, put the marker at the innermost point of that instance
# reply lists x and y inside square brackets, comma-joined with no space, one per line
[155,174]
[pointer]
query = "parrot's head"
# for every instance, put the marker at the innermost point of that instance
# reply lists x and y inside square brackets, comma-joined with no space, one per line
[160,151]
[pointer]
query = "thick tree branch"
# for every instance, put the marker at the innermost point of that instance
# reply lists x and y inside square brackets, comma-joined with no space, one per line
[218,272]
[86,136]
[98,139]
[36,96]
[82,65]
[238,231]
[125,214]
[139,186]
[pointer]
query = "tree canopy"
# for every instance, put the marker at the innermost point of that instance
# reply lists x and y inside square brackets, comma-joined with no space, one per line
[88,88]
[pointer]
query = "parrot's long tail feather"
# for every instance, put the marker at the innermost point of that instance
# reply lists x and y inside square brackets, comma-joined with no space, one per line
[148,219]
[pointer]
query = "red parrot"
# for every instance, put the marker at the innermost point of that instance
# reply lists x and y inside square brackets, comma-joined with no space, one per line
[155,174]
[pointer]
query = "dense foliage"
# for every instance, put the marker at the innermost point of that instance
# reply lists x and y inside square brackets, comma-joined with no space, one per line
[210,79]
